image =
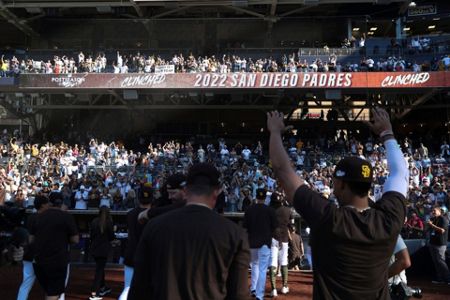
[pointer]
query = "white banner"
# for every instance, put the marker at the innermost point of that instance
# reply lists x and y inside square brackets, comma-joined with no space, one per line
[166,69]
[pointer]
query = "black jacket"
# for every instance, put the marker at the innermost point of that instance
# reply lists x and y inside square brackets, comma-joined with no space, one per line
[101,242]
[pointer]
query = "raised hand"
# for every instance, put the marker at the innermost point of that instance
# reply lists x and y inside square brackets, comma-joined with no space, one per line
[381,122]
[275,122]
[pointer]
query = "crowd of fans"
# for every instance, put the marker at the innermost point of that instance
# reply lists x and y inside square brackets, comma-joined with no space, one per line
[96,174]
[179,63]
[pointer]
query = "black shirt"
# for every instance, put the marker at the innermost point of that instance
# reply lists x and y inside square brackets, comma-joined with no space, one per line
[134,233]
[351,249]
[260,221]
[101,241]
[295,246]
[52,231]
[283,215]
[191,253]
[28,254]
[437,238]
[157,211]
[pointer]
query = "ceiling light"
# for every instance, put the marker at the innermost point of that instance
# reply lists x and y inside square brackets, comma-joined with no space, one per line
[356,29]
[432,27]
[373,28]
[370,33]
[412,4]
[436,19]
[406,29]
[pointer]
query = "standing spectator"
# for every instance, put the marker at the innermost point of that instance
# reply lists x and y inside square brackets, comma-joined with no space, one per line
[246,153]
[445,150]
[415,227]
[41,204]
[180,252]
[260,221]
[51,234]
[446,61]
[134,233]
[438,245]
[101,233]
[344,236]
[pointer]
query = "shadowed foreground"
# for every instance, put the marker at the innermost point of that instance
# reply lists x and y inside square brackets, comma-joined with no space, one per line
[81,278]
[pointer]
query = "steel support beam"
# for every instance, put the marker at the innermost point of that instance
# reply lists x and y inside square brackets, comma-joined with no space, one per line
[136,7]
[301,9]
[421,100]
[172,11]
[14,20]
[246,11]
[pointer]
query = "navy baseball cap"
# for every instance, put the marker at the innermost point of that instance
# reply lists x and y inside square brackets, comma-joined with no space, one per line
[354,169]
[39,201]
[176,181]
[261,194]
[203,174]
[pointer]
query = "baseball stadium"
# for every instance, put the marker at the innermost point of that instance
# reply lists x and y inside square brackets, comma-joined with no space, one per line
[226,149]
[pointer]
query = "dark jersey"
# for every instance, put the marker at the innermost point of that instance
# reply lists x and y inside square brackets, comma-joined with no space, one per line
[260,221]
[134,233]
[351,249]
[157,211]
[29,251]
[52,231]
[191,253]
[283,216]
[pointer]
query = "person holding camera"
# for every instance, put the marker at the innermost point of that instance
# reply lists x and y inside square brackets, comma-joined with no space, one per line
[438,226]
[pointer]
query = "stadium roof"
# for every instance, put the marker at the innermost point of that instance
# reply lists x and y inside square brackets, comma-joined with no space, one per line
[24,13]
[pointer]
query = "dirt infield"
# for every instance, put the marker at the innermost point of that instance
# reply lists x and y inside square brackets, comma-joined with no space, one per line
[81,278]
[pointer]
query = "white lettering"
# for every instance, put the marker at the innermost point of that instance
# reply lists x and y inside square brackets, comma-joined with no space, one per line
[242,80]
[348,80]
[306,79]
[332,80]
[323,80]
[143,80]
[251,80]
[313,80]
[293,80]
[405,79]
[234,80]
[263,82]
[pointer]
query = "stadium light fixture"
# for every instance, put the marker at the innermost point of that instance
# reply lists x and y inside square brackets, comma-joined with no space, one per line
[432,27]
[356,29]
[373,28]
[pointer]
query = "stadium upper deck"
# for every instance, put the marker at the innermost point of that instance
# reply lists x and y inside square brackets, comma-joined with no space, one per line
[250,27]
